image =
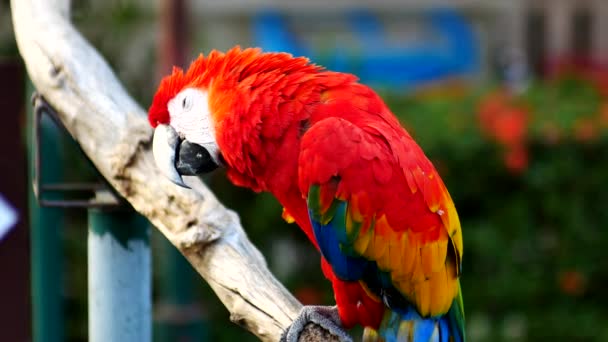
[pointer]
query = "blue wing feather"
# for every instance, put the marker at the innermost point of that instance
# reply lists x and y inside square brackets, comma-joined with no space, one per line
[330,238]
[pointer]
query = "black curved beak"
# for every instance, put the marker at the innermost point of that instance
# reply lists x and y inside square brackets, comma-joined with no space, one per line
[193,159]
[175,156]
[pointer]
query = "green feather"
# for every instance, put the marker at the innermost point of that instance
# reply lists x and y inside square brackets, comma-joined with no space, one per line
[314,206]
[456,315]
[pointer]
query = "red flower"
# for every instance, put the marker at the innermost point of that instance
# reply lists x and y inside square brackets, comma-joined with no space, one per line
[507,124]
[510,126]
[501,120]
[572,282]
[516,159]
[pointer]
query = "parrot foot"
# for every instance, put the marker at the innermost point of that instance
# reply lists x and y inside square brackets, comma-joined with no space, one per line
[325,316]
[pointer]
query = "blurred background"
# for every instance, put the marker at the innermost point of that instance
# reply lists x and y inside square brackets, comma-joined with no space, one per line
[509,99]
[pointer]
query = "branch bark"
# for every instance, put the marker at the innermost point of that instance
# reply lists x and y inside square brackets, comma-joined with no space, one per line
[113,131]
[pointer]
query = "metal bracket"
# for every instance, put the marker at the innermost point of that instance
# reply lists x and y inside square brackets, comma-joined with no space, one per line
[108,197]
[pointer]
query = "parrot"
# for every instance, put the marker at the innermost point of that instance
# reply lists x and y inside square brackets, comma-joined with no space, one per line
[343,168]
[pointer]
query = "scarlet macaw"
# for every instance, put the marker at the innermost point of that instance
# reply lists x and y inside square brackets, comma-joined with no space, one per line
[332,153]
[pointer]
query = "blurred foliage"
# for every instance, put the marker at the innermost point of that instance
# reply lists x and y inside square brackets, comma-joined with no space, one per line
[8,45]
[125,32]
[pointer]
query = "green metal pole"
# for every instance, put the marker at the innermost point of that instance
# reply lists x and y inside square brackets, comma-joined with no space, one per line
[46,244]
[119,269]
[178,314]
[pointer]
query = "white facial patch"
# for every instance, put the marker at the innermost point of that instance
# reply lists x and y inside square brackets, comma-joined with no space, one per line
[190,117]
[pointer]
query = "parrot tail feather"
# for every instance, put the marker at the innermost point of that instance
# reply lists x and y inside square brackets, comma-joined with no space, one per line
[406,325]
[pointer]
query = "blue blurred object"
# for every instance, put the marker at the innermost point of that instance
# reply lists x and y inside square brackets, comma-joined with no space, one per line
[452,50]
[271,33]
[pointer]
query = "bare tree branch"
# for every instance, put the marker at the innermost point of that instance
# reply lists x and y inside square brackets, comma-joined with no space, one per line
[113,131]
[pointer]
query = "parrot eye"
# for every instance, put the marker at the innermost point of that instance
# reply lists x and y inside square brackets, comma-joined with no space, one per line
[186,103]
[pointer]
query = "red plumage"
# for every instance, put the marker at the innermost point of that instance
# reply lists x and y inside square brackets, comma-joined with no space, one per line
[284,125]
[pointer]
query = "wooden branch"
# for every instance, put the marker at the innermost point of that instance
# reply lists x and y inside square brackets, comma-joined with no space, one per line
[113,131]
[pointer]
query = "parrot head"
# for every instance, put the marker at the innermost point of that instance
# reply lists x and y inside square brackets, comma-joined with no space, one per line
[184,141]
[218,105]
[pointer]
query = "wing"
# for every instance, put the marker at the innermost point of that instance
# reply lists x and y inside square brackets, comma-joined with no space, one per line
[380,213]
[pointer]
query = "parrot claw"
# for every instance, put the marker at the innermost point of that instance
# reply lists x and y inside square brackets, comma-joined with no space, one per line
[325,316]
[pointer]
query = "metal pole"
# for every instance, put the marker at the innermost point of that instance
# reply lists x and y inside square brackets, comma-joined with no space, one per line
[119,273]
[46,245]
[178,316]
